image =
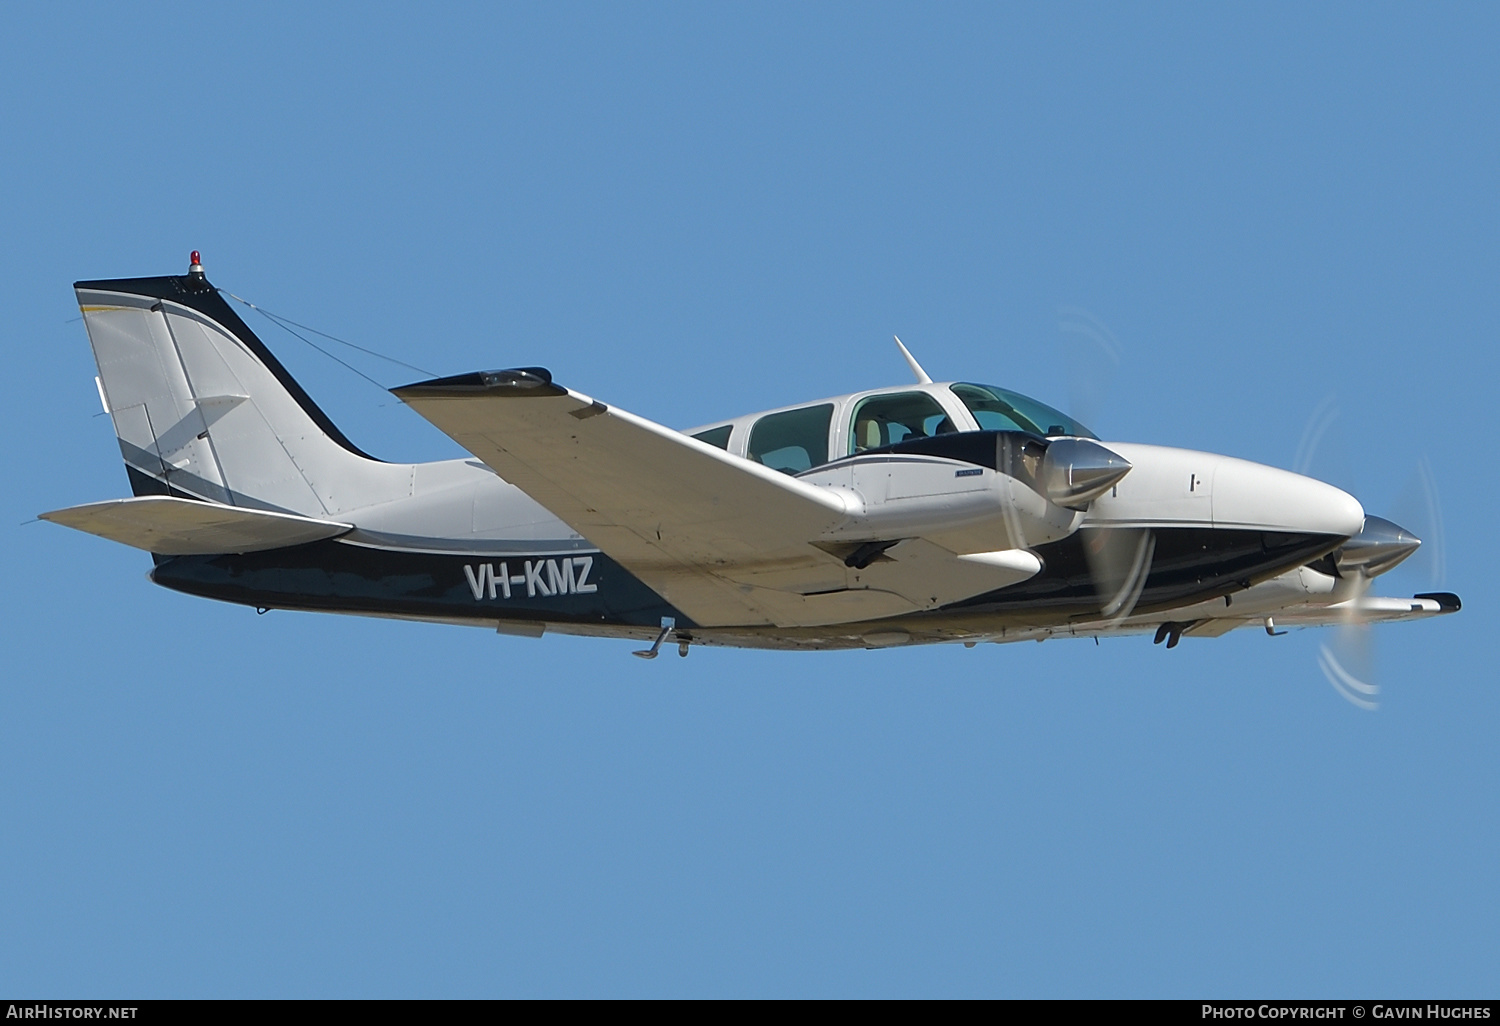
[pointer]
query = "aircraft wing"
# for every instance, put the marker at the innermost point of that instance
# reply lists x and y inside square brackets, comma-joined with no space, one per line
[1369,609]
[724,539]
[668,507]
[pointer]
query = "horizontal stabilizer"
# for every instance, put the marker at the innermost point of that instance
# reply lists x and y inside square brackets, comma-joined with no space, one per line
[170,526]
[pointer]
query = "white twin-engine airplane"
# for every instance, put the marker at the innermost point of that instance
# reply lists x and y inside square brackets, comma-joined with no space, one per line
[931,512]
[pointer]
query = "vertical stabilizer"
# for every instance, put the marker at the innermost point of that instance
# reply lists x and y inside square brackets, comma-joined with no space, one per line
[203,410]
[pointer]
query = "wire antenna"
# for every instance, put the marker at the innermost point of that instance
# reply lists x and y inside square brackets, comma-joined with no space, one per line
[286,323]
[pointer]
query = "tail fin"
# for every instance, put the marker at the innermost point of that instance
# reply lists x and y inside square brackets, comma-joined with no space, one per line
[203,410]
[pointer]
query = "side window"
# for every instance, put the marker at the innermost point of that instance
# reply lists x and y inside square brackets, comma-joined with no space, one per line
[888,419]
[793,441]
[716,436]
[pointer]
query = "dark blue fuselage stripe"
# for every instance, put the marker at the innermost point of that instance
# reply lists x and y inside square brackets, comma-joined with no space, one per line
[1189,565]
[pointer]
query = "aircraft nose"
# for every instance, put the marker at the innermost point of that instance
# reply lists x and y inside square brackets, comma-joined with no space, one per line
[1253,495]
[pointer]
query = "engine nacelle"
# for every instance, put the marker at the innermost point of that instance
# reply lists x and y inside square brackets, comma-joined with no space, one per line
[977,491]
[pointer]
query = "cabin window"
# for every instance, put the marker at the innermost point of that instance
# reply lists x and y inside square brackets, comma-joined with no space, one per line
[718,436]
[887,419]
[793,441]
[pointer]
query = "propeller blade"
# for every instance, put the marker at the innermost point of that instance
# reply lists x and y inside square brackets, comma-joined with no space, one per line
[1119,561]
[1317,426]
[1418,507]
[1348,658]
[1347,655]
[1092,355]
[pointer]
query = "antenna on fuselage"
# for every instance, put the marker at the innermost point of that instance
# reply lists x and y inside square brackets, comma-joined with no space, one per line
[911,361]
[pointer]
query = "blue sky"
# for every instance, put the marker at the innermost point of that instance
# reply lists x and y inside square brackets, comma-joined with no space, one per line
[699,211]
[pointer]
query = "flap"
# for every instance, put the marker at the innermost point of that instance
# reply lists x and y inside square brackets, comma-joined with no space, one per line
[170,526]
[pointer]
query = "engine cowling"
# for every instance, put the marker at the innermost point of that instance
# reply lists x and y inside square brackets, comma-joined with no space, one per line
[975,490]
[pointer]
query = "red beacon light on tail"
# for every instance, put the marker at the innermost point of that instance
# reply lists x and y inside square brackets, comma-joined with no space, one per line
[195,266]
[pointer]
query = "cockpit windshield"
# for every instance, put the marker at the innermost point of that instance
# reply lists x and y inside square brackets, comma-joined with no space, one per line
[1003,410]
